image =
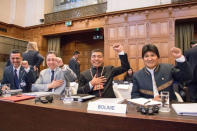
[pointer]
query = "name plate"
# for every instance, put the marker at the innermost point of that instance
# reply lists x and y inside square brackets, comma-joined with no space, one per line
[107,107]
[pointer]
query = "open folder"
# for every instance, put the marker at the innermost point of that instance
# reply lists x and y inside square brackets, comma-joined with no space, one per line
[16,98]
[189,109]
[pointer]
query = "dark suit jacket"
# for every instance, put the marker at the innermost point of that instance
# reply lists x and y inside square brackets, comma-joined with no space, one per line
[33,57]
[109,72]
[164,75]
[191,56]
[75,66]
[28,78]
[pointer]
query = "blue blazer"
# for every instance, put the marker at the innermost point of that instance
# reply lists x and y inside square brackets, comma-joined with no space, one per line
[25,79]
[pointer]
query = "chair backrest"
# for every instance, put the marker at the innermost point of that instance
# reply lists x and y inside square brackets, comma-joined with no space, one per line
[178,96]
[122,90]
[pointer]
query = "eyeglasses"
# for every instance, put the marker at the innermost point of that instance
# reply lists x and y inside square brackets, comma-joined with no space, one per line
[44,100]
[148,110]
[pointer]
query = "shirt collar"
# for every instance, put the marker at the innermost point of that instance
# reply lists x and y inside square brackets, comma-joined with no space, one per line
[16,68]
[54,69]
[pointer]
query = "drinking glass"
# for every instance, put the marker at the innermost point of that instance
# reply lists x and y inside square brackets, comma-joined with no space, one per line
[6,92]
[68,93]
[165,102]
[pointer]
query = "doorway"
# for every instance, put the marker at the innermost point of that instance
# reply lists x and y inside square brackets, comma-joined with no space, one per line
[185,32]
[84,42]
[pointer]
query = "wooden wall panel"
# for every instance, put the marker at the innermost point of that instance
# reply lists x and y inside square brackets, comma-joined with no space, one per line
[133,52]
[141,31]
[112,34]
[133,64]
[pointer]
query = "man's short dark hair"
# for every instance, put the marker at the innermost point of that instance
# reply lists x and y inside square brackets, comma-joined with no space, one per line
[51,52]
[97,50]
[151,48]
[15,51]
[76,52]
[193,42]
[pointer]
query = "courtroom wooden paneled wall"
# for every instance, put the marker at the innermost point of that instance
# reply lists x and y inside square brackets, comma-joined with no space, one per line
[131,28]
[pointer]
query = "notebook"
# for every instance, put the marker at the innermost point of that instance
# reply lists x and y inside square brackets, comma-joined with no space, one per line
[189,109]
[16,98]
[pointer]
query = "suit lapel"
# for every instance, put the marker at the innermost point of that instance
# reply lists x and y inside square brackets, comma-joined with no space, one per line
[11,74]
[21,73]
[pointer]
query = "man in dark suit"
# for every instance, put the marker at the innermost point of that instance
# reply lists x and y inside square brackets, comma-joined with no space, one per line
[98,79]
[74,63]
[18,74]
[191,56]
[156,77]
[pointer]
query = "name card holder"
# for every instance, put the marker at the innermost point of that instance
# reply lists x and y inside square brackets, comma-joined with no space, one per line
[107,107]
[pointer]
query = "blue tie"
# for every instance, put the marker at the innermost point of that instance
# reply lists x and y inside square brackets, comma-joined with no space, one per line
[16,81]
[52,75]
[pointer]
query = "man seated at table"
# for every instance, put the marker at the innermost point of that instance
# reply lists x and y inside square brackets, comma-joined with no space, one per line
[50,79]
[154,77]
[98,79]
[18,75]
[68,73]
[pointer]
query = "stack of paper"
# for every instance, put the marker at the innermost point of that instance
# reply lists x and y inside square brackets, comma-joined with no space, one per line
[38,94]
[189,109]
[144,101]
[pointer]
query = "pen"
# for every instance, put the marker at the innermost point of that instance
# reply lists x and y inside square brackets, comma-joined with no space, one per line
[147,102]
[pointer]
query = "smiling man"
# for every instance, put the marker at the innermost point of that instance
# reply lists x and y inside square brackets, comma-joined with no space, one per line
[98,79]
[18,74]
[50,79]
[154,77]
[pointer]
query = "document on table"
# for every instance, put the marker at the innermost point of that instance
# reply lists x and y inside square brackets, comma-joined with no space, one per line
[189,109]
[144,101]
[38,94]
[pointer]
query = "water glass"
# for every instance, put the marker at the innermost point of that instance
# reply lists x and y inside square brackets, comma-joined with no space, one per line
[68,93]
[165,102]
[6,92]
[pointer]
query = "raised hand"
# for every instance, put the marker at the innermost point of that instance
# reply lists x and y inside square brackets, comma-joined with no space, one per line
[117,47]
[176,52]
[98,80]
[25,64]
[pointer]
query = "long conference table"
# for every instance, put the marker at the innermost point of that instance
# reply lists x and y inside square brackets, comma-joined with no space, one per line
[56,116]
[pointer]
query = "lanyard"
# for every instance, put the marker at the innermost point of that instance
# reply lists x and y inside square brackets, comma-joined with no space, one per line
[98,86]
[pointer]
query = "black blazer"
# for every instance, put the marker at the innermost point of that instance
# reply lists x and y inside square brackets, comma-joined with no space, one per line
[27,78]
[109,72]
[75,66]
[191,56]
[33,57]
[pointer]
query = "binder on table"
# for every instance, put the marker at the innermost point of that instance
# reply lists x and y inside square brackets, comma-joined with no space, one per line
[16,98]
[188,109]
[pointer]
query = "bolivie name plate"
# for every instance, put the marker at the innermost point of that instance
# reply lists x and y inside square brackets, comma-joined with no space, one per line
[107,107]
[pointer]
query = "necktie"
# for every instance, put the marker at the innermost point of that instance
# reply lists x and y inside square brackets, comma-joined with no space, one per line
[16,81]
[52,75]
